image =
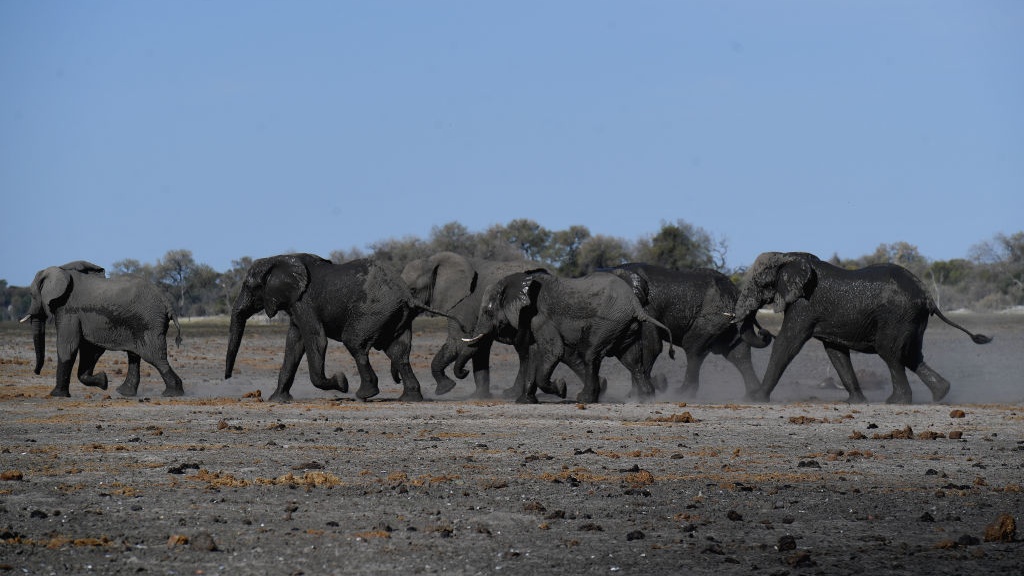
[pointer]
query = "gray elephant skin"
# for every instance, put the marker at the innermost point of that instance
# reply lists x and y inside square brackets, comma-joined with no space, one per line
[577,321]
[881,309]
[697,306]
[454,284]
[363,304]
[91,314]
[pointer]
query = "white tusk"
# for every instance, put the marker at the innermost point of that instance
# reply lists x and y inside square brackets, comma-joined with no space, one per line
[25,319]
[473,339]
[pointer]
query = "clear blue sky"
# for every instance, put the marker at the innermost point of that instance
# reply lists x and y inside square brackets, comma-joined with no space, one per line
[242,128]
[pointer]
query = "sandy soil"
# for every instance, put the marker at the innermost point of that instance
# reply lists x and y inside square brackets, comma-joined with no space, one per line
[221,482]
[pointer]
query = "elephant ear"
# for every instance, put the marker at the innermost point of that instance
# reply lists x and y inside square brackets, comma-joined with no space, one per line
[454,279]
[520,302]
[796,279]
[51,285]
[285,282]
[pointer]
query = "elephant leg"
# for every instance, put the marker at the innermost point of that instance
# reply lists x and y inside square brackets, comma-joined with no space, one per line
[691,381]
[293,352]
[67,352]
[933,380]
[524,374]
[482,371]
[792,337]
[539,368]
[591,392]
[130,386]
[901,393]
[89,355]
[398,352]
[740,357]
[156,355]
[367,377]
[840,358]
[315,343]
[639,373]
[442,360]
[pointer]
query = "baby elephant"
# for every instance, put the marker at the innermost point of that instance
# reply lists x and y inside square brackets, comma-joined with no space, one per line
[93,314]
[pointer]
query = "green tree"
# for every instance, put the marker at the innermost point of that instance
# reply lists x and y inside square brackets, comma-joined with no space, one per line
[529,237]
[564,249]
[601,251]
[173,271]
[132,267]
[682,245]
[452,237]
[398,253]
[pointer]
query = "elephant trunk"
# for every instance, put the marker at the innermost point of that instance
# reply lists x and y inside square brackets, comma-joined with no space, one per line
[753,334]
[241,312]
[459,367]
[38,339]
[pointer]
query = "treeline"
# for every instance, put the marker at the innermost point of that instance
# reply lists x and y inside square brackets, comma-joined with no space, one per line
[990,278]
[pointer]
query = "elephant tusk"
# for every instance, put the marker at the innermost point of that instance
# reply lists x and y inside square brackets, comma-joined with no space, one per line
[729,314]
[25,319]
[473,340]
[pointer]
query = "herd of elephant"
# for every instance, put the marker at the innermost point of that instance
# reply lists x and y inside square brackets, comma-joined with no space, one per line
[628,312]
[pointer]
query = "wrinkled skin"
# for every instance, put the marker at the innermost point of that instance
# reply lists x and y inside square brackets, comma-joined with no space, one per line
[92,314]
[577,321]
[363,304]
[881,309]
[453,283]
[697,306]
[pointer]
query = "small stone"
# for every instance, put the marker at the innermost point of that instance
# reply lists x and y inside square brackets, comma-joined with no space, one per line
[635,535]
[203,541]
[1004,529]
[734,516]
[786,543]
[957,414]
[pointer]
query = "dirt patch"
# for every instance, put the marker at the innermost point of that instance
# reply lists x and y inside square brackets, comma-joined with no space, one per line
[221,481]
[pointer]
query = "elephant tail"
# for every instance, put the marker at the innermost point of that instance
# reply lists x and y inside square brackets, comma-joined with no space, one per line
[977,338]
[177,338]
[645,317]
[424,308]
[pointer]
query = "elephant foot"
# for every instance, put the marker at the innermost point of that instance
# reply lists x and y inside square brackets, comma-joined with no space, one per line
[604,386]
[939,391]
[367,391]
[60,393]
[338,382]
[128,390]
[857,398]
[280,396]
[444,386]
[481,394]
[586,398]
[899,399]
[98,380]
[660,382]
[173,392]
[511,393]
[411,396]
[556,388]
[757,397]
[527,399]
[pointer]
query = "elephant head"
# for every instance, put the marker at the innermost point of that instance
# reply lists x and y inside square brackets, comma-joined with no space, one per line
[440,281]
[506,308]
[50,289]
[780,278]
[271,284]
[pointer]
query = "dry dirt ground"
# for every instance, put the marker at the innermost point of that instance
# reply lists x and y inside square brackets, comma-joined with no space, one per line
[222,482]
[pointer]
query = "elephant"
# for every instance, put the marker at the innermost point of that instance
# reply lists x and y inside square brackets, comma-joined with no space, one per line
[880,309]
[578,321]
[697,305]
[362,304]
[93,314]
[454,283]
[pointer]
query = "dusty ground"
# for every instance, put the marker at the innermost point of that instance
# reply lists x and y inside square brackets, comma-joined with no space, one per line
[222,482]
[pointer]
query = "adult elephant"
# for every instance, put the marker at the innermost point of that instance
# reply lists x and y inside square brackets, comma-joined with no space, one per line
[578,321]
[454,283]
[697,305]
[881,309]
[93,314]
[363,304]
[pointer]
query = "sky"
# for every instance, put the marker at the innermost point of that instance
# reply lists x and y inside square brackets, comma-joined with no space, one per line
[250,128]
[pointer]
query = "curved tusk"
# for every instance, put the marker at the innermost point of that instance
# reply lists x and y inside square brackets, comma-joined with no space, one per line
[473,340]
[729,314]
[25,319]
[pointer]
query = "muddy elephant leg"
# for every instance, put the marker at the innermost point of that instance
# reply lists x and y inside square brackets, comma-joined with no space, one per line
[442,360]
[790,340]
[591,392]
[840,358]
[130,386]
[482,371]
[293,352]
[314,341]
[691,381]
[398,352]
[89,355]
[933,380]
[740,357]
[367,377]
[901,393]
